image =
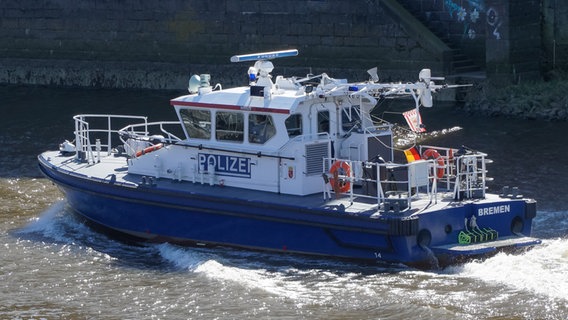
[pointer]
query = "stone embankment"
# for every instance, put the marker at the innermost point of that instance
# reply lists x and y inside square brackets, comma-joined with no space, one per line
[546,100]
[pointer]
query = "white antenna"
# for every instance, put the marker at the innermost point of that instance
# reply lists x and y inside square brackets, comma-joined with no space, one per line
[373,73]
[425,76]
[264,55]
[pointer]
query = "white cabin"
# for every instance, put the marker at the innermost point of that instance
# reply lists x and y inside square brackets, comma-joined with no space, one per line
[270,136]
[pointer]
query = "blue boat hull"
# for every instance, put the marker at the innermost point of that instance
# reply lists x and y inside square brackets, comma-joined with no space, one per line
[158,215]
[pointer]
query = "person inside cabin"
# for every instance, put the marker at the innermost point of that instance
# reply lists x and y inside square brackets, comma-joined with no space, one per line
[261,128]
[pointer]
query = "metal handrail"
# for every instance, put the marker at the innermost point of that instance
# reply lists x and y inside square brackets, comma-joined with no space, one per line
[419,179]
[141,131]
[84,131]
[465,174]
[471,176]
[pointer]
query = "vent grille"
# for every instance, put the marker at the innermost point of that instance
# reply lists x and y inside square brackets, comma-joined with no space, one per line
[314,158]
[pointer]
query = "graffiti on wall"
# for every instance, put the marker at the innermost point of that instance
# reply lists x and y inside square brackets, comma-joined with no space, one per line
[472,14]
[494,22]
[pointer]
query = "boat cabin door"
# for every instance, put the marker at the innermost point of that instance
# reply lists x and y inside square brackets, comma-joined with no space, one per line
[324,122]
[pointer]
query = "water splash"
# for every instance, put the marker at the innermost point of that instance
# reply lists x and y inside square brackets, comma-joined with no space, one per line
[230,271]
[541,270]
[47,224]
[182,258]
[432,259]
[281,277]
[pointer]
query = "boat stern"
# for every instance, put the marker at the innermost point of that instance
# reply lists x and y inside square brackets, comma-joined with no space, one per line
[478,229]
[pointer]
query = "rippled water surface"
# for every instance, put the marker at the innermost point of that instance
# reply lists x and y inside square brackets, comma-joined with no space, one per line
[54,267]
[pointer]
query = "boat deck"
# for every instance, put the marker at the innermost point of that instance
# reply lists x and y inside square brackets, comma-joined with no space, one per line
[114,169]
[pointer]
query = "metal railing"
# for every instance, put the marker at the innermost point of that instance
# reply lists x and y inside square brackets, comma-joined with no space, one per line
[394,186]
[141,132]
[102,134]
[471,176]
[464,171]
[96,134]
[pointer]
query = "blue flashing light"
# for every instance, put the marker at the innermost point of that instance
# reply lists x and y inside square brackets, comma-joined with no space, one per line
[264,55]
[252,77]
[353,88]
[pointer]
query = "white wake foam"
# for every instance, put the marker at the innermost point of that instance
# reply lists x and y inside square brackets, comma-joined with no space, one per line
[58,224]
[210,265]
[303,286]
[182,258]
[541,270]
[47,223]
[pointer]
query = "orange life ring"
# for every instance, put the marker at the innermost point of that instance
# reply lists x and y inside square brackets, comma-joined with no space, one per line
[149,149]
[433,154]
[340,185]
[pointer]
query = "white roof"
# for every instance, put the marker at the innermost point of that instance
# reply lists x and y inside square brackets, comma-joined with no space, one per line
[282,101]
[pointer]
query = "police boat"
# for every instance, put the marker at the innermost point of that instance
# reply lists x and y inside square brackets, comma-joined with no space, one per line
[289,165]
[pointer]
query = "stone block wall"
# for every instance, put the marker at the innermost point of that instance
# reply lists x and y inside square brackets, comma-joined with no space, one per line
[461,24]
[158,44]
[555,35]
[513,49]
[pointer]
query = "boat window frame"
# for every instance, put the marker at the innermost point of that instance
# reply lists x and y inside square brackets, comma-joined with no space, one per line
[297,128]
[324,122]
[260,130]
[229,129]
[351,118]
[190,123]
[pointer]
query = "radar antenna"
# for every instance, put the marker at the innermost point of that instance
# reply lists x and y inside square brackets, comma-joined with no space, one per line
[264,55]
[259,74]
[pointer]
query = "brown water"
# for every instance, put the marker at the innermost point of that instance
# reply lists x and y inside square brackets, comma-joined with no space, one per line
[54,267]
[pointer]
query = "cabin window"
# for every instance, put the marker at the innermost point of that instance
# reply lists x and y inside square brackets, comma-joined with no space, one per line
[323,121]
[351,119]
[197,123]
[294,125]
[261,128]
[229,126]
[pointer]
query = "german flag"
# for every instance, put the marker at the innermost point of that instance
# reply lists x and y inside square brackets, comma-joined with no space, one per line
[412,155]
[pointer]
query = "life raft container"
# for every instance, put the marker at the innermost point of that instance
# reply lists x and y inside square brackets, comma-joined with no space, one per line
[340,168]
[433,154]
[149,149]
